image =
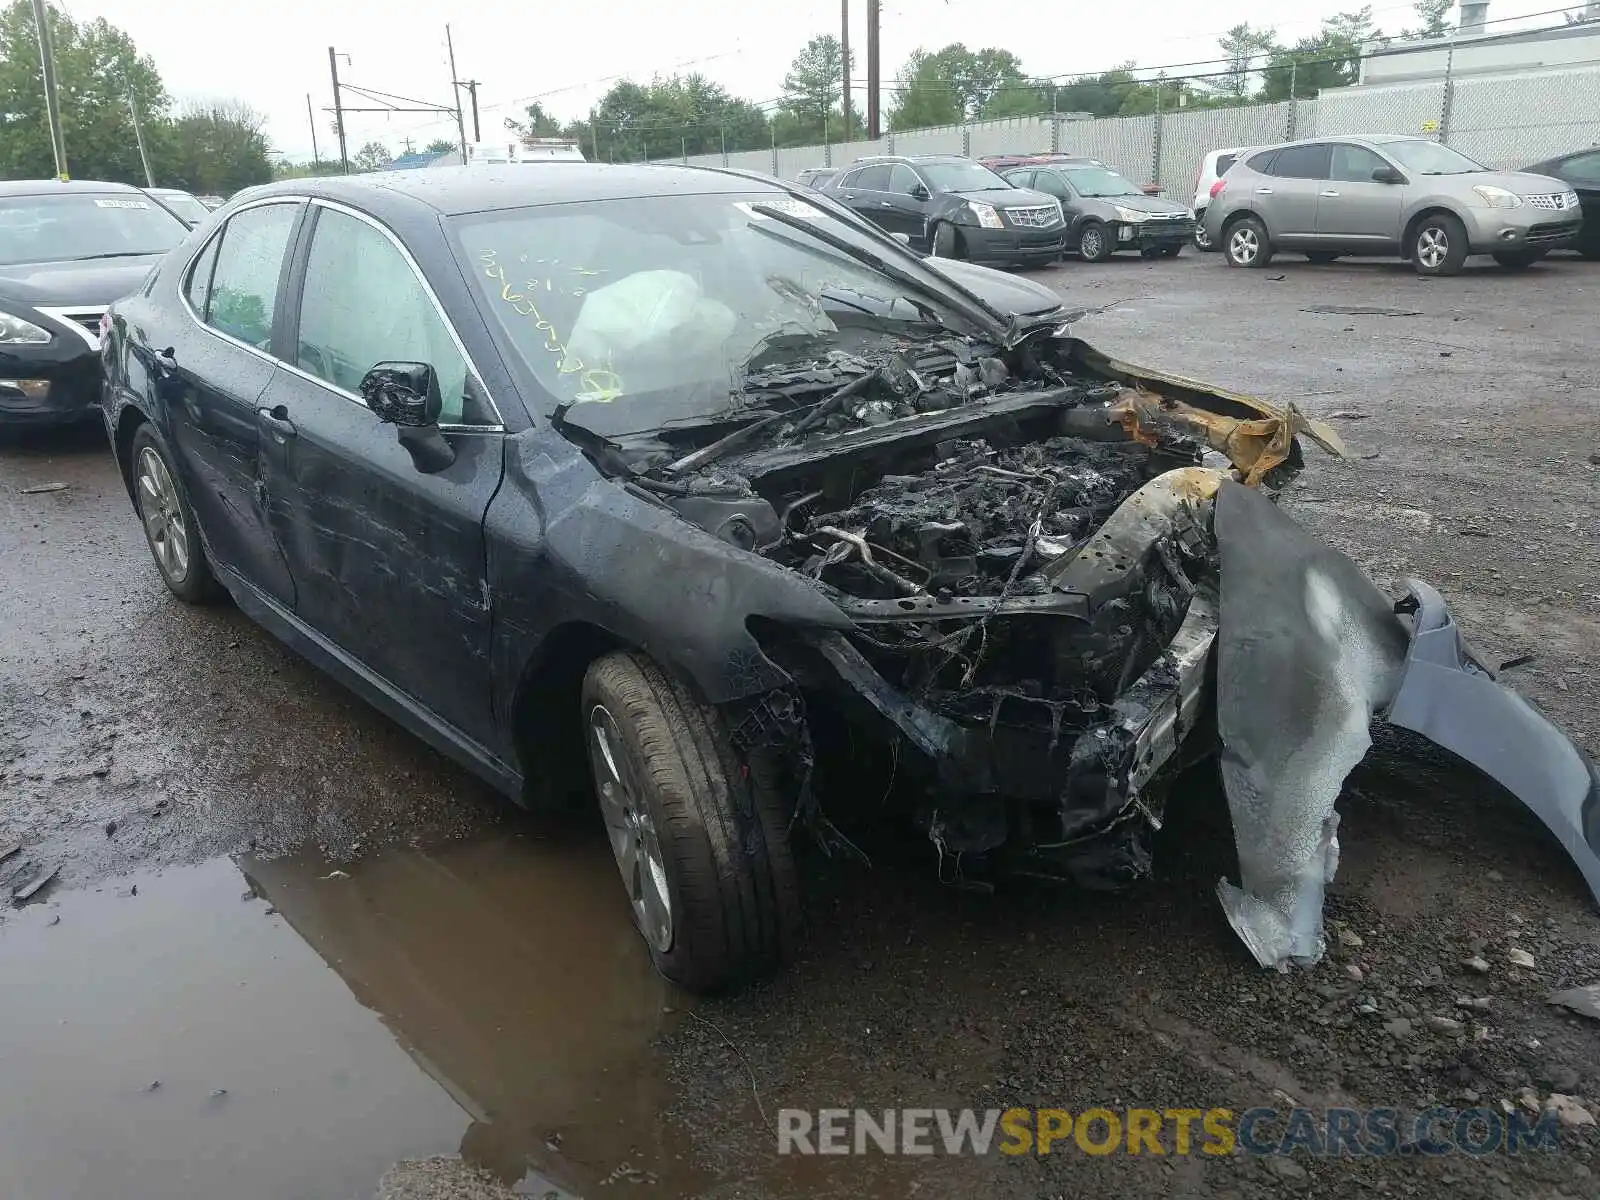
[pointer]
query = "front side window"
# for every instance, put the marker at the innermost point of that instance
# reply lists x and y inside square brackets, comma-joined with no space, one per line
[364,304]
[244,282]
[1354,164]
[1052,184]
[1302,162]
[873,179]
[902,179]
[76,226]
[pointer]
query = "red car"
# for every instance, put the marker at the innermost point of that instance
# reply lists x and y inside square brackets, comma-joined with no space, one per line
[1005,162]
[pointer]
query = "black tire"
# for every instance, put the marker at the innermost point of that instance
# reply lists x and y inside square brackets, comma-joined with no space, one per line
[717,819]
[1171,251]
[1438,245]
[1518,260]
[1202,240]
[945,242]
[1321,257]
[168,521]
[1095,243]
[1245,244]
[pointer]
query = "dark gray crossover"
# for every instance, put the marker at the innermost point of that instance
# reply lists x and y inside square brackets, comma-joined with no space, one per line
[1105,212]
[693,495]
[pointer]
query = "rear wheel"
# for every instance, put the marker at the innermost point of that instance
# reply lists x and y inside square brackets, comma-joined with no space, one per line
[697,829]
[170,529]
[1245,244]
[1094,243]
[1171,251]
[1439,245]
[1518,260]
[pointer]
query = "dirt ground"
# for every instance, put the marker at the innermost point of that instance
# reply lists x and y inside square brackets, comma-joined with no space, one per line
[289,951]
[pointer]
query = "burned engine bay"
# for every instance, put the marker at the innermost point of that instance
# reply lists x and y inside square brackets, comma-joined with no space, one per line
[1022,542]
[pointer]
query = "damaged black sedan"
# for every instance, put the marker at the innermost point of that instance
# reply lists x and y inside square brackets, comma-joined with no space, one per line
[697,492]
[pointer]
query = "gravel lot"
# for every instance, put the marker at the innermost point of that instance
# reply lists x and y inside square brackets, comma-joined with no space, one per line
[140,740]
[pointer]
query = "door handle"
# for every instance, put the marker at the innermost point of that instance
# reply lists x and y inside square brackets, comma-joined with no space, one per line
[885,204]
[1329,193]
[277,419]
[165,361]
[1263,191]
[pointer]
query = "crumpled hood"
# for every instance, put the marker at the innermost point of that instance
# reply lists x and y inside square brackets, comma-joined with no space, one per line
[1012,294]
[1142,203]
[94,283]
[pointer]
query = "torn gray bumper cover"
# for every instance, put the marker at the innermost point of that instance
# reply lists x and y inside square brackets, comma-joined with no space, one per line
[1309,651]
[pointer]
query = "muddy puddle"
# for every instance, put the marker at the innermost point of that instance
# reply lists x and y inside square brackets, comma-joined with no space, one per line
[281,1029]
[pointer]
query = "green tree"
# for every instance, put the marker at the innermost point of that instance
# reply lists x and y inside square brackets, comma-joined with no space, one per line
[374,156]
[97,69]
[813,90]
[925,98]
[1245,51]
[1331,59]
[441,146]
[955,84]
[212,148]
[683,114]
[536,123]
[1435,16]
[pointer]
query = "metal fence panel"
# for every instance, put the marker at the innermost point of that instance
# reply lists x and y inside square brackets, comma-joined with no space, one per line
[1121,142]
[1509,122]
[1018,135]
[1188,135]
[947,139]
[1412,108]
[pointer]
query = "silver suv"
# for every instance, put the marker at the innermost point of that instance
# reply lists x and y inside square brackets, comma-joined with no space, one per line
[1386,195]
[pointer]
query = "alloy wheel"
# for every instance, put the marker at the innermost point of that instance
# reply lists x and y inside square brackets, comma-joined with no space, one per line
[1091,243]
[1244,245]
[631,831]
[1202,239]
[1433,247]
[163,516]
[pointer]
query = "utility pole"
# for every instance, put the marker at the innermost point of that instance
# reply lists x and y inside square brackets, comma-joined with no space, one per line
[338,109]
[873,131]
[455,87]
[316,158]
[138,133]
[472,90]
[47,65]
[844,55]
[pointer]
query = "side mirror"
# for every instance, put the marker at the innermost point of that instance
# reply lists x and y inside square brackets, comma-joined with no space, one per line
[406,395]
[1388,175]
[903,238]
[919,192]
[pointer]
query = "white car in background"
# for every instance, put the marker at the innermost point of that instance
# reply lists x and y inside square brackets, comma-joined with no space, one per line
[1212,168]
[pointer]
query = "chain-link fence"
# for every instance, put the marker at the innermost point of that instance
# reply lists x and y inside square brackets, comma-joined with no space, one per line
[1503,120]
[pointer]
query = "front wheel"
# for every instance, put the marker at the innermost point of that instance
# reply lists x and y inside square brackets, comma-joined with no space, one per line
[1246,244]
[1202,239]
[1094,243]
[1518,260]
[697,829]
[1171,251]
[1439,245]
[170,529]
[945,243]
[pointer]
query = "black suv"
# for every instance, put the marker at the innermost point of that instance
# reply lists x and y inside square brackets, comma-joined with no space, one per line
[953,207]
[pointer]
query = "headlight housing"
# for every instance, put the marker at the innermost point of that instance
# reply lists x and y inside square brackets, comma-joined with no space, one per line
[985,214]
[1497,197]
[14,331]
[1132,215]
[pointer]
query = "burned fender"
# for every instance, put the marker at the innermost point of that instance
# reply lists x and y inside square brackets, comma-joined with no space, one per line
[1450,698]
[1309,651]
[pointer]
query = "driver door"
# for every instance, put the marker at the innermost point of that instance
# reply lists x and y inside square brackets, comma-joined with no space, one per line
[388,560]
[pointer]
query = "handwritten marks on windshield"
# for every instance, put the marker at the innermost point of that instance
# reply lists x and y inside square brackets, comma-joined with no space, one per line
[597,383]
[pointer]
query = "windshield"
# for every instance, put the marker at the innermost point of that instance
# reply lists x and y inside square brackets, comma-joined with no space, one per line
[61,228]
[1099,182]
[646,311]
[960,177]
[185,205]
[1430,158]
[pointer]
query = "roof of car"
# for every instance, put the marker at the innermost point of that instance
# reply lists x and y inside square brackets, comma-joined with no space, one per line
[56,187]
[167,191]
[911,158]
[456,190]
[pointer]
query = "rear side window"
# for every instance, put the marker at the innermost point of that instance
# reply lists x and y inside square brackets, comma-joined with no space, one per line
[244,282]
[1302,162]
[1261,163]
[874,179]
[198,289]
[1224,161]
[1021,179]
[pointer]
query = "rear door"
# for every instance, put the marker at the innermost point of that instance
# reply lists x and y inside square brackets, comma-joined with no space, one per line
[213,372]
[869,195]
[1287,198]
[388,561]
[1355,212]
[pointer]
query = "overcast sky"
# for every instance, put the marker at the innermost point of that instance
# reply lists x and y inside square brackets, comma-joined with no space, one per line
[568,54]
